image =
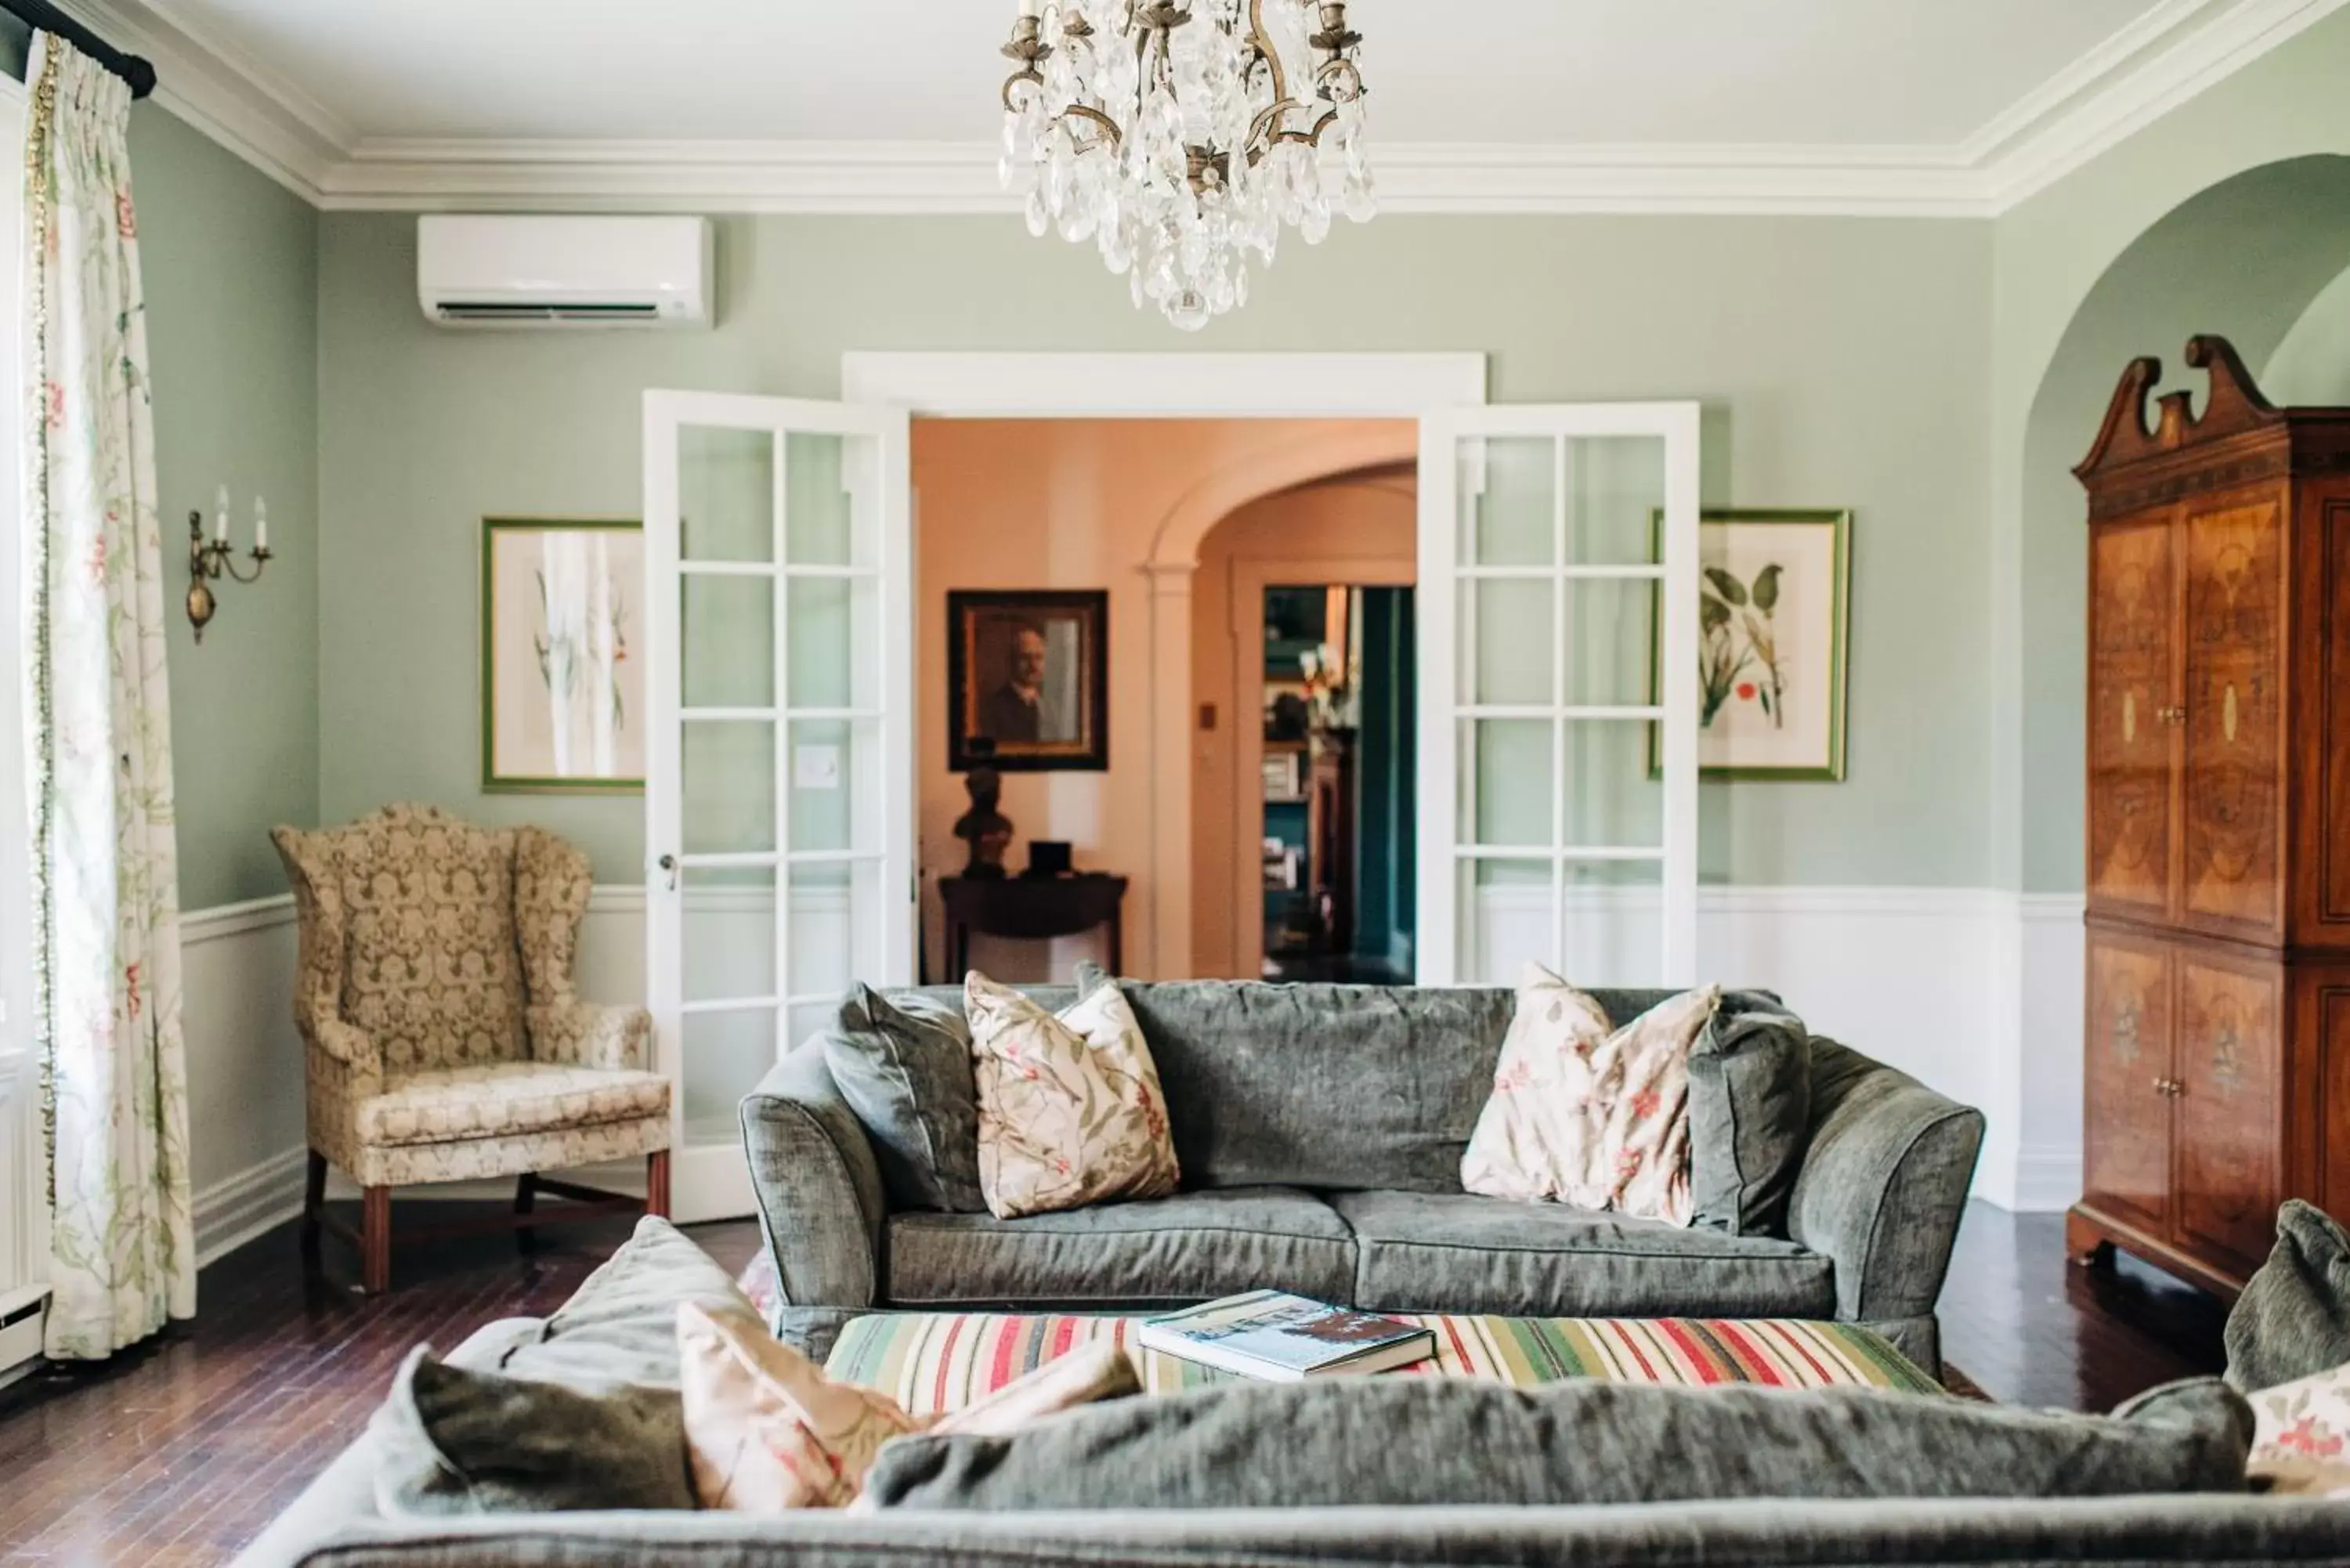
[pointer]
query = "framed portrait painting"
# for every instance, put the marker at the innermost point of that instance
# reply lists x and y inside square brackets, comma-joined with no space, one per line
[1028,680]
[562,690]
[1773,612]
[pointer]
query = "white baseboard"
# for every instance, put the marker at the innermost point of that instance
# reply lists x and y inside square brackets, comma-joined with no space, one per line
[263,1196]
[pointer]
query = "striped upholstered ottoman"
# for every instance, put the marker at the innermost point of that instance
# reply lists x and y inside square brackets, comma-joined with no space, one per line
[935,1362]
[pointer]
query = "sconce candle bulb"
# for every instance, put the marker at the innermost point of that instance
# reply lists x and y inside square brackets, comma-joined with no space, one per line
[208,562]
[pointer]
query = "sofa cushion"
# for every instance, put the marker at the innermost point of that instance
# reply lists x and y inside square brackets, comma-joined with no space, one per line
[1342,1087]
[453,1440]
[903,1064]
[1419,1251]
[503,1099]
[1189,1246]
[1332,1444]
[1750,1112]
[2293,1319]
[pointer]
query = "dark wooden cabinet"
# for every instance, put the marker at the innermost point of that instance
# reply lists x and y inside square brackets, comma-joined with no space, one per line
[2217,1052]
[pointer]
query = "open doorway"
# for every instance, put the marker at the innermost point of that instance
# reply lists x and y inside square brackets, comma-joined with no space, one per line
[1337,784]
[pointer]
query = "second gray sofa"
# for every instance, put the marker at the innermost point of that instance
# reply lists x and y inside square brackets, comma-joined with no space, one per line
[1320,1130]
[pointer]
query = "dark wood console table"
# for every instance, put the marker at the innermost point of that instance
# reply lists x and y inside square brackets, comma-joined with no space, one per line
[1033,908]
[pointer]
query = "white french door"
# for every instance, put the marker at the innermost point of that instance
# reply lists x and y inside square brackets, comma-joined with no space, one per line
[780,771]
[1558,680]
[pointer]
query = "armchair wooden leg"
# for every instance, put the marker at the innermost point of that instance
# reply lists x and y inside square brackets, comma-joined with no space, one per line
[526,1200]
[374,1240]
[314,1198]
[657,1183]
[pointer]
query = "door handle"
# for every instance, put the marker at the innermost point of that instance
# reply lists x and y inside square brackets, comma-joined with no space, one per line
[668,864]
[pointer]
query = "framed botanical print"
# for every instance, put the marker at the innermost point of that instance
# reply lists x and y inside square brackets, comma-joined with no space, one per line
[562,690]
[1774,613]
[1029,681]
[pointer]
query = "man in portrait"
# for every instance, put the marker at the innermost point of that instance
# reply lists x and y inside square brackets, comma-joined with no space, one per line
[1013,712]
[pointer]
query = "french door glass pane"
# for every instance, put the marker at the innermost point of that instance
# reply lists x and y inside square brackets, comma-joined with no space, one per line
[1505,919]
[728,788]
[836,803]
[836,929]
[726,494]
[835,641]
[1609,796]
[1611,646]
[1613,918]
[1513,521]
[1507,641]
[818,521]
[730,932]
[728,627]
[726,1054]
[1505,783]
[1615,485]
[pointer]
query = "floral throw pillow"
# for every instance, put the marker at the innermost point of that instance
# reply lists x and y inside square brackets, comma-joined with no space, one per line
[765,1429]
[2301,1436]
[1069,1108]
[1586,1114]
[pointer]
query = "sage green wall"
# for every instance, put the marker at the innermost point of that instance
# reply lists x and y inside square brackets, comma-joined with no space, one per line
[2125,256]
[1841,363]
[2313,364]
[230,263]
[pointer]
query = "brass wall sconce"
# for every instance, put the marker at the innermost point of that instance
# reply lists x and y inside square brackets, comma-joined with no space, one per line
[210,559]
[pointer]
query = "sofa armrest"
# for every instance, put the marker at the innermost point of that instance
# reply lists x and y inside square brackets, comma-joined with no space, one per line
[589,1034]
[819,1189]
[1883,1183]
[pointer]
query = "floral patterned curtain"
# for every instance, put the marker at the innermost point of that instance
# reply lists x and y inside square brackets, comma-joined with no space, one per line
[105,859]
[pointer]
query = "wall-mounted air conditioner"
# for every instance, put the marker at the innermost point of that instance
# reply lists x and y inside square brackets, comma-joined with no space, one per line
[477,270]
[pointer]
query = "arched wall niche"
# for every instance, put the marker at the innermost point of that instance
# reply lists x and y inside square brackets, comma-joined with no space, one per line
[2244,259]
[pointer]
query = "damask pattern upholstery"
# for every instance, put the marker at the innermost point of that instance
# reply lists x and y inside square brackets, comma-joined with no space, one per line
[435,993]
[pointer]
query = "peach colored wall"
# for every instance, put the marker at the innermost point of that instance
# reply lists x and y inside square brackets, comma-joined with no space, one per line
[1354,529]
[1119,504]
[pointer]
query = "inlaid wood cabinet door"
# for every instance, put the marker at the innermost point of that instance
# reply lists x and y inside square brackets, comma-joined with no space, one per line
[2230,1067]
[2133,682]
[2232,812]
[2127,1155]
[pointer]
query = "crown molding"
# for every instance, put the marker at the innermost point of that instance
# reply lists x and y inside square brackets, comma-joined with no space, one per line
[2164,57]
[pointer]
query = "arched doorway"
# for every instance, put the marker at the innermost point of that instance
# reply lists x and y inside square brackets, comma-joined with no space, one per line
[1343,814]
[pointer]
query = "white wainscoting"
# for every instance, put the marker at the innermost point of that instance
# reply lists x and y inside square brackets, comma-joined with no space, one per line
[1913,976]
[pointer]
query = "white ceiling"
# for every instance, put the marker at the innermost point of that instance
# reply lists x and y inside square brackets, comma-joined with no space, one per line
[1529,71]
[1799,105]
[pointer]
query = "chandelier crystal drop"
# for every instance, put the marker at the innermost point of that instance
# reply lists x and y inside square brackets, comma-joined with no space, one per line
[1181,136]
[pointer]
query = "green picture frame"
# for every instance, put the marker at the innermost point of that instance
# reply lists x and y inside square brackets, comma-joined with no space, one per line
[561,602]
[1777,674]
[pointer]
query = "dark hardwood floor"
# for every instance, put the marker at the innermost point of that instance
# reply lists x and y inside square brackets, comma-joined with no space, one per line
[180,1452]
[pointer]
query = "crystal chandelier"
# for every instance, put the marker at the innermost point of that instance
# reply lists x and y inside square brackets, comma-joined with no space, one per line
[1182,135]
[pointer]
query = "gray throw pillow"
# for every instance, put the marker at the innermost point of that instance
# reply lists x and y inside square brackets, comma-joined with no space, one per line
[620,1326]
[1750,1111]
[1407,1441]
[903,1064]
[453,1441]
[2293,1319]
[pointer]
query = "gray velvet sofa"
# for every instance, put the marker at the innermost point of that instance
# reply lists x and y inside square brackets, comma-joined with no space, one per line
[1320,1130]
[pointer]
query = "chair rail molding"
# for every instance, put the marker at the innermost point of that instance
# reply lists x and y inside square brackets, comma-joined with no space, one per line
[1899,972]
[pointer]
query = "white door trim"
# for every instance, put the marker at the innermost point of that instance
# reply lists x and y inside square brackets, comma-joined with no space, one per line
[1164,386]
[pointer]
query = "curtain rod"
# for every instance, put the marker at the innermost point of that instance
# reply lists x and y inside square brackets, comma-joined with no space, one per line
[47,18]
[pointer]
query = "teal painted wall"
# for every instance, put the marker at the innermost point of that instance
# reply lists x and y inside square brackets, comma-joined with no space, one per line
[1841,362]
[230,264]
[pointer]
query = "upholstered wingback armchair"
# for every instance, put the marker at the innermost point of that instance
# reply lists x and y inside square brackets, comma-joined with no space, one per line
[445,1040]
